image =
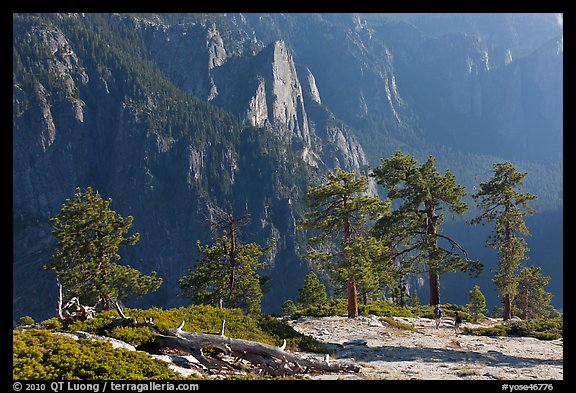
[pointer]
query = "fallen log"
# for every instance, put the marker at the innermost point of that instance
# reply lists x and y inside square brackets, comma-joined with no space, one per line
[271,359]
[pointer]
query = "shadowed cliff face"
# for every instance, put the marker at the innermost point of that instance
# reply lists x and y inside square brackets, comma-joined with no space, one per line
[98,125]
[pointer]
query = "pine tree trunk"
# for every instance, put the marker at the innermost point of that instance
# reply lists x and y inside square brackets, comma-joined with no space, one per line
[352,293]
[434,281]
[431,231]
[507,314]
[352,300]
[232,258]
[526,307]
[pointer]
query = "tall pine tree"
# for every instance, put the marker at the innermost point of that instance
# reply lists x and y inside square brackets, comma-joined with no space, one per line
[342,208]
[89,235]
[413,230]
[500,202]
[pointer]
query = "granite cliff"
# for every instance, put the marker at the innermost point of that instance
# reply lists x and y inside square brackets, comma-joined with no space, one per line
[92,116]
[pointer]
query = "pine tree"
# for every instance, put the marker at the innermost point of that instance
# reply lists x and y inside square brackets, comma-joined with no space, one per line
[371,267]
[227,269]
[413,230]
[501,203]
[288,308]
[342,209]
[476,303]
[313,291]
[214,280]
[532,299]
[89,235]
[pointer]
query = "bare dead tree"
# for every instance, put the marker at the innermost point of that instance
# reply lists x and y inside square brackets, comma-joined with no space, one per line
[273,360]
[220,220]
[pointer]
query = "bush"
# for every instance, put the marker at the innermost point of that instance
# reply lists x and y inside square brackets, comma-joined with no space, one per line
[540,328]
[53,324]
[197,318]
[41,354]
[205,318]
[448,311]
[25,320]
[132,335]
[288,308]
[398,324]
[332,307]
[294,339]
[384,308]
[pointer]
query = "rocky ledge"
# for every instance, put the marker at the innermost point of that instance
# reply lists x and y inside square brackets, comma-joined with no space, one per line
[426,353]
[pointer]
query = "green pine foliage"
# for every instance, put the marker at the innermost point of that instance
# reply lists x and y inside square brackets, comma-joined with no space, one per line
[210,280]
[288,308]
[340,212]
[532,300]
[500,202]
[476,303]
[414,228]
[89,234]
[313,291]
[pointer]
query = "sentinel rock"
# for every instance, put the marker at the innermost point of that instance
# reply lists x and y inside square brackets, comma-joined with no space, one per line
[277,99]
[287,107]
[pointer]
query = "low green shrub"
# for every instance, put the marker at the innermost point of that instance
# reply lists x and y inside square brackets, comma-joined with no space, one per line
[205,319]
[398,324]
[25,320]
[52,324]
[492,331]
[541,328]
[384,308]
[332,307]
[132,335]
[197,318]
[41,354]
[294,339]
[94,325]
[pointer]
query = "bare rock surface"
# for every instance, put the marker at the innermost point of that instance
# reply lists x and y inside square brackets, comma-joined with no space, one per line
[426,353]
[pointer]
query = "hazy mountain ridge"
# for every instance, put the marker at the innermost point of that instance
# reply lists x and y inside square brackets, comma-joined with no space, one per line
[129,104]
